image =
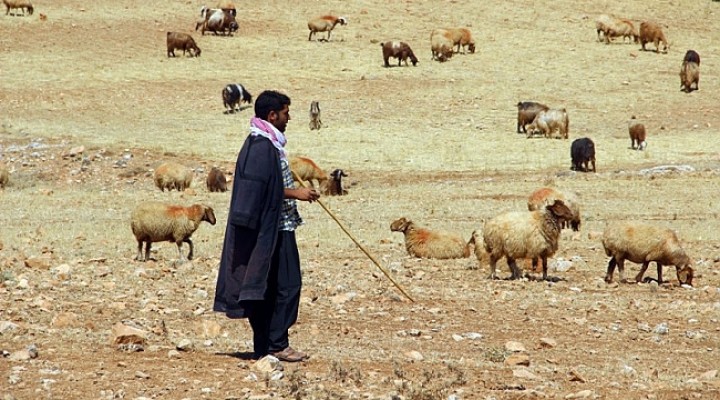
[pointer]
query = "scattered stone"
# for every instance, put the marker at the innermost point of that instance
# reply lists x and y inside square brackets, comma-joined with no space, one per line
[127,335]
[74,152]
[184,345]
[576,377]
[415,355]
[267,365]
[547,343]
[42,263]
[28,353]
[525,374]
[173,354]
[457,338]
[518,359]
[583,394]
[712,374]
[23,284]
[209,328]
[141,375]
[662,329]
[514,346]
[7,326]
[65,320]
[414,332]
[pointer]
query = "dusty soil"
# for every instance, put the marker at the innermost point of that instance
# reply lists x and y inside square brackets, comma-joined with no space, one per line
[90,104]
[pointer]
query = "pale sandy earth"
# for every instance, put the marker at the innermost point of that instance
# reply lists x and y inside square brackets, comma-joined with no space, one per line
[435,143]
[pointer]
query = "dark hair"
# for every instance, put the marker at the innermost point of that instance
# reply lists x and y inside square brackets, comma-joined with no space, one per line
[270,100]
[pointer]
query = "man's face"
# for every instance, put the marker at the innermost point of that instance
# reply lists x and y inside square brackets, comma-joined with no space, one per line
[280,119]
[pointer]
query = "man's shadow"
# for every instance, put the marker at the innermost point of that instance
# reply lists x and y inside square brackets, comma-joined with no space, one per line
[242,355]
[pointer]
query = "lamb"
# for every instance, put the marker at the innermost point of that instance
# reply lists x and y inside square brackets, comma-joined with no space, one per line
[522,234]
[233,95]
[424,243]
[307,170]
[216,181]
[441,44]
[333,186]
[644,243]
[547,122]
[21,4]
[462,37]
[171,175]
[543,197]
[326,23]
[157,222]
[315,121]
[637,134]
[582,153]
[689,75]
[4,177]
[399,50]
[652,32]
[527,111]
[181,41]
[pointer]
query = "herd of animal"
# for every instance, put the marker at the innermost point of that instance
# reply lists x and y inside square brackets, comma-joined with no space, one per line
[535,234]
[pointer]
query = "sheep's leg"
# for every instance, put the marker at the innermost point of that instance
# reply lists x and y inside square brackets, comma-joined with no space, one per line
[514,270]
[659,273]
[639,276]
[610,270]
[147,250]
[190,243]
[493,262]
[544,262]
[138,257]
[621,269]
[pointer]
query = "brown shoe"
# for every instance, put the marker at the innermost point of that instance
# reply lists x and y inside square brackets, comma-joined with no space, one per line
[290,355]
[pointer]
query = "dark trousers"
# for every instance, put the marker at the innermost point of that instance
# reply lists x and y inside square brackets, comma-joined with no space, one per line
[272,317]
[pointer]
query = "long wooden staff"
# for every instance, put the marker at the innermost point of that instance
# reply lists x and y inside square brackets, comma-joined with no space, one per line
[364,250]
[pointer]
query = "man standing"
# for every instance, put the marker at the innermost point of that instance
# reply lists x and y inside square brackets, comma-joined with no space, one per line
[259,276]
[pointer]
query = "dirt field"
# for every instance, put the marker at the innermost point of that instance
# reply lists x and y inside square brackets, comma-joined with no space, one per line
[90,104]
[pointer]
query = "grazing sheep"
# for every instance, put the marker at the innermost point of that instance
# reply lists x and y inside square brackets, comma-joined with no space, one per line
[441,45]
[582,152]
[181,41]
[216,181]
[217,20]
[315,121]
[423,243]
[171,175]
[157,222]
[637,134]
[652,32]
[227,5]
[21,4]
[4,176]
[527,111]
[462,37]
[692,56]
[643,243]
[333,186]
[522,234]
[399,50]
[547,122]
[233,95]
[307,170]
[612,27]
[689,75]
[326,23]
[543,197]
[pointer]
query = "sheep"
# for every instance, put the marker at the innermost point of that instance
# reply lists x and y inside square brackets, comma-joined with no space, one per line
[217,20]
[171,175]
[643,243]
[399,50]
[181,41]
[4,177]
[233,95]
[527,111]
[333,186]
[612,27]
[21,4]
[307,170]
[689,75]
[522,234]
[315,121]
[637,134]
[582,152]
[157,222]
[547,122]
[227,5]
[543,197]
[652,32]
[441,44]
[692,56]
[424,243]
[462,37]
[326,23]
[216,181]
[601,22]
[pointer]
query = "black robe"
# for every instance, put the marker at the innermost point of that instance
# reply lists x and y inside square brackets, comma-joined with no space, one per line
[252,228]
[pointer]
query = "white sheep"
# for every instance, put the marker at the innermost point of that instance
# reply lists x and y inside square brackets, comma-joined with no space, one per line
[4,176]
[158,222]
[424,243]
[545,196]
[171,175]
[522,234]
[326,23]
[307,170]
[441,44]
[644,243]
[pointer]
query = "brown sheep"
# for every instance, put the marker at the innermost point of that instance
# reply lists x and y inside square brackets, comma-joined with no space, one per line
[307,170]
[326,23]
[547,122]
[612,27]
[692,56]
[423,243]
[689,75]
[441,44]
[399,50]
[157,222]
[651,32]
[181,41]
[171,175]
[218,20]
[527,111]
[315,121]
[216,181]
[543,197]
[21,4]
[637,134]
[462,37]
[334,186]
[227,5]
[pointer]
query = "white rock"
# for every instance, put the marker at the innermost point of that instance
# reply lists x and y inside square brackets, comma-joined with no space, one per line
[184,345]
[415,355]
[473,336]
[457,338]
[525,374]
[7,326]
[514,346]
[662,329]
[583,394]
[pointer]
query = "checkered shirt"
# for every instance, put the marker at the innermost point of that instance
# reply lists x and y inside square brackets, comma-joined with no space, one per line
[289,215]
